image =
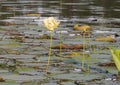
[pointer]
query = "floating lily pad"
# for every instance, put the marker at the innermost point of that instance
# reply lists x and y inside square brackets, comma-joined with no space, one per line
[74,76]
[17,77]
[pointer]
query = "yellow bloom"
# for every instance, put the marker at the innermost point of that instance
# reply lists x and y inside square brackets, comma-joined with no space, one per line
[51,23]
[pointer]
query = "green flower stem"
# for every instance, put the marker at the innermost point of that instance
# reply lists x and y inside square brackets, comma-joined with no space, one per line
[88,68]
[89,54]
[50,51]
[83,57]
[60,45]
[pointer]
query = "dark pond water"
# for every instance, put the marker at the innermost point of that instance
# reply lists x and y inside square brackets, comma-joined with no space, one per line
[70,11]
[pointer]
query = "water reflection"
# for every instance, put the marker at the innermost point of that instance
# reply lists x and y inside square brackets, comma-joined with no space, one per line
[64,9]
[109,7]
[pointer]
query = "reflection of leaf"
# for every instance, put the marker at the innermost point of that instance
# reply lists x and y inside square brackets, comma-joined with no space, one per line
[23,69]
[11,82]
[13,51]
[13,44]
[45,36]
[36,15]
[75,54]
[116,57]
[79,58]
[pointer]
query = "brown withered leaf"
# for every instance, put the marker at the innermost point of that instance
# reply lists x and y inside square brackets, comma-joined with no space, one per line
[107,64]
[1,79]
[68,46]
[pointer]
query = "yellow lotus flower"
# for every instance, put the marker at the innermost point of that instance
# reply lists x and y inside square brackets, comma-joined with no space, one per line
[51,23]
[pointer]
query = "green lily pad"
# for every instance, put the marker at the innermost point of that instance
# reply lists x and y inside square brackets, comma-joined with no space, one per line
[75,76]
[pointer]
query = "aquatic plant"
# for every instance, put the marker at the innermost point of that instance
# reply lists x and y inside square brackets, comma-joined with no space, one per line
[51,24]
[116,57]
